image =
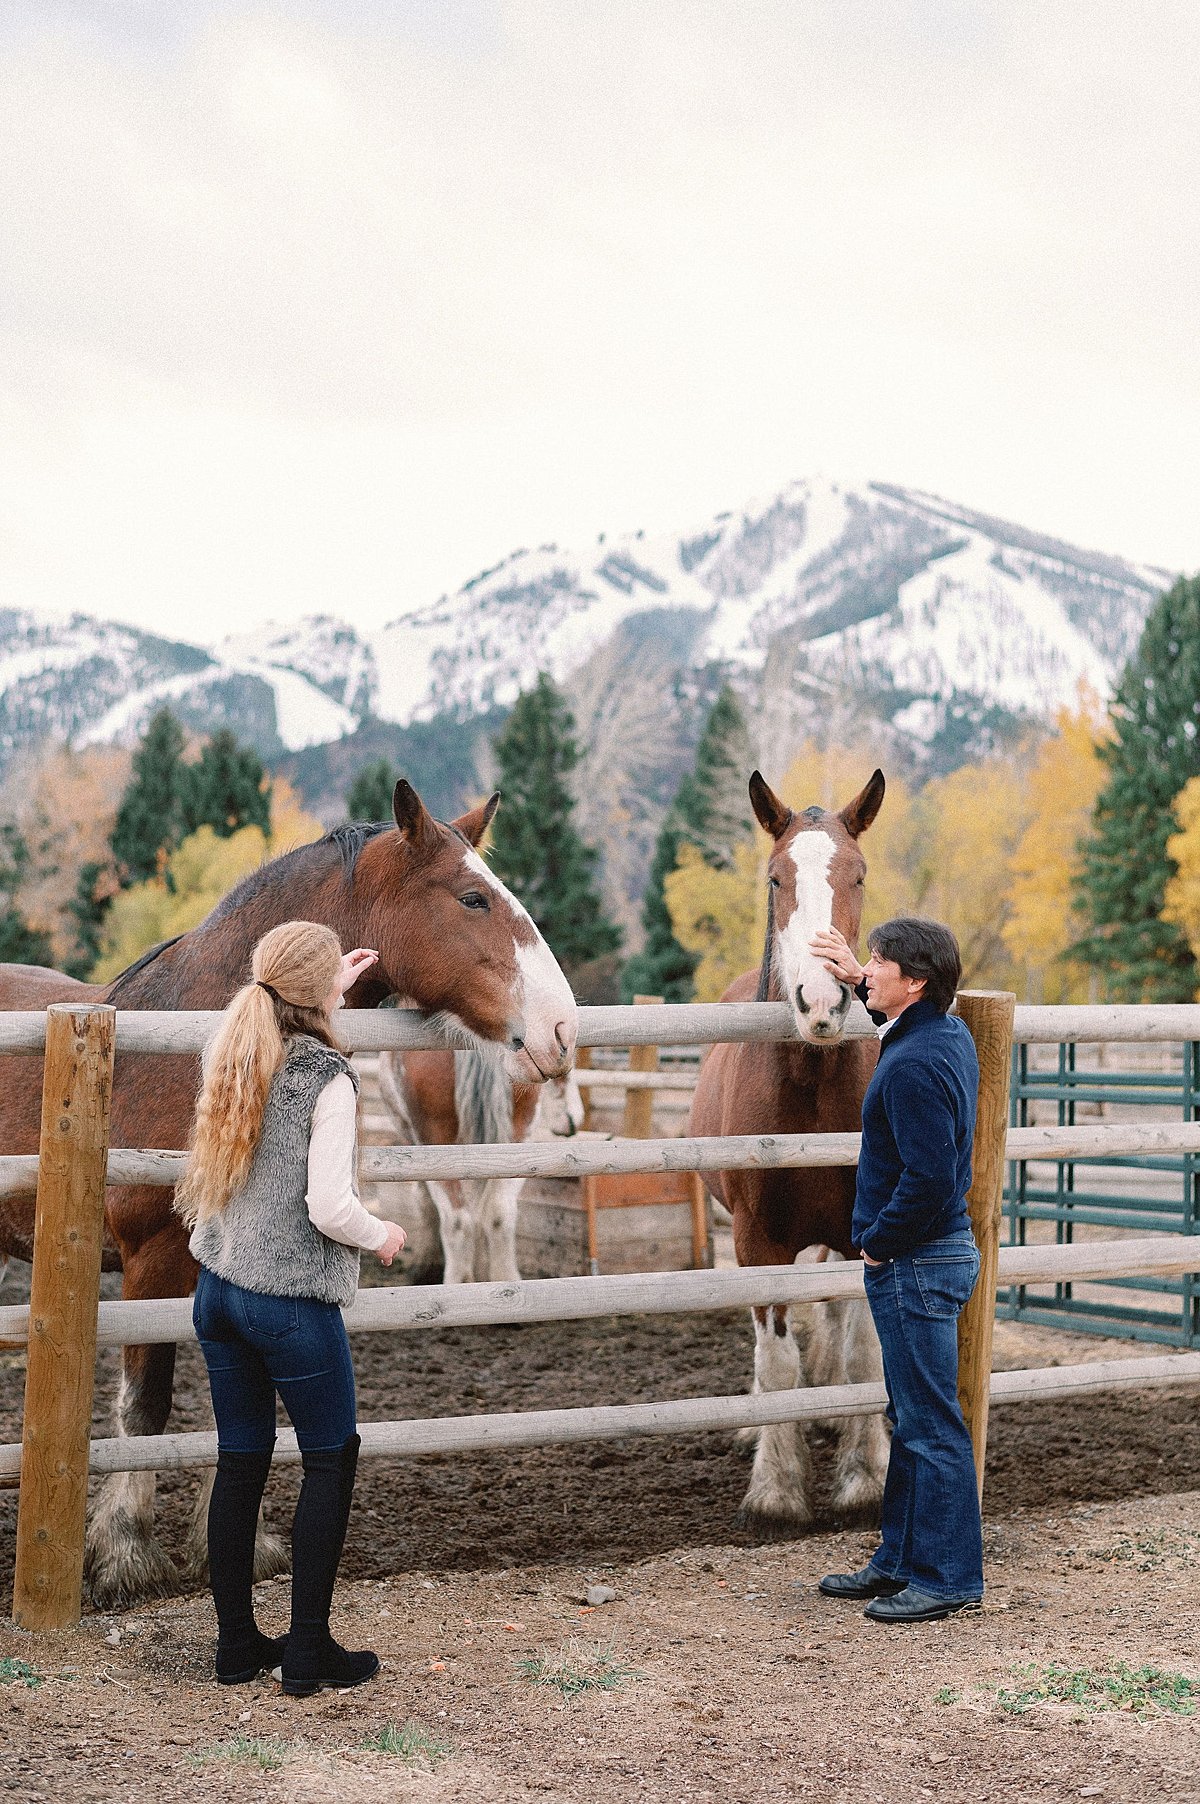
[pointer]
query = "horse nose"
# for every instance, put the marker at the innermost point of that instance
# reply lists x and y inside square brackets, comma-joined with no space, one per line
[800,1002]
[516,1033]
[564,1039]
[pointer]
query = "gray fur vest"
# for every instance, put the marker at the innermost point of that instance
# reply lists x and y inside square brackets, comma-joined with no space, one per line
[263,1239]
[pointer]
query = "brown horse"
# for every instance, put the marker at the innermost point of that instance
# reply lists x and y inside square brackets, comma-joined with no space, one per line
[449,936]
[813,1085]
[468,1099]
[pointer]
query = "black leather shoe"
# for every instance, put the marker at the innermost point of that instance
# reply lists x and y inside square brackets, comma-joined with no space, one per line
[856,1585]
[914,1605]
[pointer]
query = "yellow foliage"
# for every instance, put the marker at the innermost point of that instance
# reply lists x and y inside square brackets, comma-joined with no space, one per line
[1181,899]
[720,914]
[64,804]
[969,825]
[830,777]
[1044,919]
[202,870]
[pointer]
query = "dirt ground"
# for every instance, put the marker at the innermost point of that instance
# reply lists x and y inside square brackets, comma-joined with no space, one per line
[734,1678]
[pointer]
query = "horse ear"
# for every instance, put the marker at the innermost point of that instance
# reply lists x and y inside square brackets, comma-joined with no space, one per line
[772,814]
[857,815]
[411,815]
[474,825]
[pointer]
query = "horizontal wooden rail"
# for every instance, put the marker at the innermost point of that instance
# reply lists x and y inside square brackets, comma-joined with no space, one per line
[390,1308]
[569,1158]
[658,1024]
[601,1078]
[690,1415]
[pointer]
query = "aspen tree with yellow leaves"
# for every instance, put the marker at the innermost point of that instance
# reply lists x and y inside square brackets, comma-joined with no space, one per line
[1045,917]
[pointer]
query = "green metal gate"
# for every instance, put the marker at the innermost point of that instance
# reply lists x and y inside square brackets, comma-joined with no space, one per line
[1094,1194]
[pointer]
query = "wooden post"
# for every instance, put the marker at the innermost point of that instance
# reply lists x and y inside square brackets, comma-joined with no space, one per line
[639,1104]
[65,1292]
[989,1016]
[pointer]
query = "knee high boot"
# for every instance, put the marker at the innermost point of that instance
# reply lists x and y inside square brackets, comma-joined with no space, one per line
[242,1651]
[312,1657]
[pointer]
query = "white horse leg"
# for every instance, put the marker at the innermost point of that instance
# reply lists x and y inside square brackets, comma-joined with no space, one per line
[863,1442]
[780,1479]
[457,1226]
[271,1555]
[496,1228]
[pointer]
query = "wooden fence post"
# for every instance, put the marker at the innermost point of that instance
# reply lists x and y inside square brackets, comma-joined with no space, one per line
[639,1104]
[65,1292]
[989,1016]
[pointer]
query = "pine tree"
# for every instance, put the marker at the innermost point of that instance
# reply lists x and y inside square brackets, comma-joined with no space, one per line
[535,848]
[88,908]
[711,811]
[1154,751]
[369,797]
[226,789]
[149,819]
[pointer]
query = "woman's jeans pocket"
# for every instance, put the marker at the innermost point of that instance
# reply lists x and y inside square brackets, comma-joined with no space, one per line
[944,1283]
[268,1318]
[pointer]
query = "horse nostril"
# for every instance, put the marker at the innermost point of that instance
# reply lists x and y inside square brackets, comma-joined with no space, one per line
[562,1036]
[800,1002]
[516,1034]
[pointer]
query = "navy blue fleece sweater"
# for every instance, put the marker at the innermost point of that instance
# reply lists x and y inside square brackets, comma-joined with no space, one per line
[914,1170]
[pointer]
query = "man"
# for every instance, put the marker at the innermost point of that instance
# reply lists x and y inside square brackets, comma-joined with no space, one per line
[912,1228]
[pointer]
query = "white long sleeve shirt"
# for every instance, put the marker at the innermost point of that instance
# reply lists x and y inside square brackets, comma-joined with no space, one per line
[332,1196]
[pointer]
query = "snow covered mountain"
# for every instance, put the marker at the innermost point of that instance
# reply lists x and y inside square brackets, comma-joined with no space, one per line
[939,629]
[875,600]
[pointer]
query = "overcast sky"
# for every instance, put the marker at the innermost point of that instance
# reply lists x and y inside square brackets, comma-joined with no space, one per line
[325,304]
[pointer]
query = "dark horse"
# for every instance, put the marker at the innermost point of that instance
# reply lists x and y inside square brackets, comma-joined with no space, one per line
[450,938]
[813,1085]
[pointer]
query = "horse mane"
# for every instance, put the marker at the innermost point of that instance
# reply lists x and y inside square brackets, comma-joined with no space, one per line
[139,964]
[347,840]
[350,838]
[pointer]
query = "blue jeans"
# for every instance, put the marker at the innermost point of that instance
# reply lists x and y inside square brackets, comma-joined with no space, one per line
[255,1346]
[931,1532]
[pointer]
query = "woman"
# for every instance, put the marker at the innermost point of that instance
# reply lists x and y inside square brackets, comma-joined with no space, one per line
[276,1227]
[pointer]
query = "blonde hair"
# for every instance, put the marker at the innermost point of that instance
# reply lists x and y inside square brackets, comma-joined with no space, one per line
[293,969]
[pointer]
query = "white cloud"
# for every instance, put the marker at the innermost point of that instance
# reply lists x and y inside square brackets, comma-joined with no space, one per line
[312,306]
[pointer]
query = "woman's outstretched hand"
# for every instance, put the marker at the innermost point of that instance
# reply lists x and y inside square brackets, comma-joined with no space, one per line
[395,1243]
[354,965]
[835,954]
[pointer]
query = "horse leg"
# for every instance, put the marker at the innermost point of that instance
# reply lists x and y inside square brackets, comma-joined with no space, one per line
[863,1445]
[496,1227]
[781,1475]
[457,1225]
[123,1562]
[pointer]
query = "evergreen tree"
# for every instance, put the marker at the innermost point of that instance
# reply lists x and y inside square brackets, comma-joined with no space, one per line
[226,789]
[20,944]
[369,797]
[663,967]
[1153,752]
[88,908]
[711,811]
[535,848]
[149,819]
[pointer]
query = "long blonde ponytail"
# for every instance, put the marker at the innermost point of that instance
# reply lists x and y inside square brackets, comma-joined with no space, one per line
[294,968]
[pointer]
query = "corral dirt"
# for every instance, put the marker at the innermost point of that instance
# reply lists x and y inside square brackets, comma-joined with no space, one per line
[748,1685]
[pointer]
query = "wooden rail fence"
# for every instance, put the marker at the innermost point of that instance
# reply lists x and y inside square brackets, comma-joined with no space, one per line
[64,1322]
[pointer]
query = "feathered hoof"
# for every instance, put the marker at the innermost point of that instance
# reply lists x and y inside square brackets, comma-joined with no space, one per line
[773,1517]
[857,1493]
[127,1571]
[745,1442]
[272,1556]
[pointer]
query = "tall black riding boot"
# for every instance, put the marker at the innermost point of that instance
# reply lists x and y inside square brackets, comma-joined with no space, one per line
[313,1658]
[242,1652]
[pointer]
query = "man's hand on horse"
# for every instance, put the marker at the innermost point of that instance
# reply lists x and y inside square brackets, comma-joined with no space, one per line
[835,954]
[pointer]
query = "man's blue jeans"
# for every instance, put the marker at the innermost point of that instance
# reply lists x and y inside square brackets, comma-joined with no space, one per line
[931,1532]
[254,1346]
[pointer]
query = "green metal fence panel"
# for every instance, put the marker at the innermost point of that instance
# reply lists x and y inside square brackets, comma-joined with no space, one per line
[1096,1194]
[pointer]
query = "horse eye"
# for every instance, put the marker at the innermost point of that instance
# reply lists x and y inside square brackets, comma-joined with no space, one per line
[860,881]
[473,899]
[772,883]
